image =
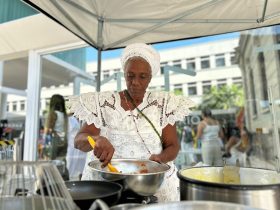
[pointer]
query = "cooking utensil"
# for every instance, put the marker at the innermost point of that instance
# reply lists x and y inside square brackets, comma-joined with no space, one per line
[84,193]
[109,165]
[195,205]
[143,177]
[231,173]
[19,181]
[258,188]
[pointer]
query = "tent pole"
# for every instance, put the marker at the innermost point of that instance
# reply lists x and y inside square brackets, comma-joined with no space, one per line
[100,44]
[98,84]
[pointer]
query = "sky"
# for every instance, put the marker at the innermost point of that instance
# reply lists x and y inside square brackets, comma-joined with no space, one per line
[92,53]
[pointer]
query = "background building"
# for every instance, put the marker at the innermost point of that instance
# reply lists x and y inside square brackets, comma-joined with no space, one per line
[259,60]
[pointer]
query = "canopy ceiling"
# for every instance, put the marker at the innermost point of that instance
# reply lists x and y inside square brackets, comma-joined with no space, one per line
[106,24]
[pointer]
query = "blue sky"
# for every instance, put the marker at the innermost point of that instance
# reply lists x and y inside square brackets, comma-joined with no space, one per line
[92,53]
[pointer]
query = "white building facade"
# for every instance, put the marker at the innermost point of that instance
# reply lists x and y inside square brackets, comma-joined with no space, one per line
[214,64]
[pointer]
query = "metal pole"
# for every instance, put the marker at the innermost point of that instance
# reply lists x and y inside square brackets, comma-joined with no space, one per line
[166,78]
[98,84]
[100,44]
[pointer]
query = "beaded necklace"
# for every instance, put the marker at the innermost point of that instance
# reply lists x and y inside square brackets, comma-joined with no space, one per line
[133,119]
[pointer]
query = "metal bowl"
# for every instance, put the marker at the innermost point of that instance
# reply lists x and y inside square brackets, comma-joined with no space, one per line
[143,177]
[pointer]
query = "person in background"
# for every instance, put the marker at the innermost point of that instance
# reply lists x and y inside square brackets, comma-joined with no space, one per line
[55,130]
[210,134]
[133,123]
[237,146]
[75,158]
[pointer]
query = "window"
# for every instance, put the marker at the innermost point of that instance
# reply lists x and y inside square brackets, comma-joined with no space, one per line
[177,63]
[263,80]
[233,58]
[192,89]
[22,105]
[117,70]
[220,60]
[178,88]
[14,106]
[106,74]
[205,62]
[191,64]
[206,87]
[253,93]
[237,81]
[8,105]
[162,67]
[221,83]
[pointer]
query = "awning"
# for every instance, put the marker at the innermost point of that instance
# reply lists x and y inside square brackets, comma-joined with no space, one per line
[106,24]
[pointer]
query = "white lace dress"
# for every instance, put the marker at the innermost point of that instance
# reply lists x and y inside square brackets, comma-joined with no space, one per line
[117,125]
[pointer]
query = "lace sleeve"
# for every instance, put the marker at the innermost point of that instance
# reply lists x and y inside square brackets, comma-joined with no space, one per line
[86,108]
[176,108]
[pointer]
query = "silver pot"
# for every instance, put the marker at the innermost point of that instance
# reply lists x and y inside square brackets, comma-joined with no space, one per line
[195,205]
[258,188]
[144,177]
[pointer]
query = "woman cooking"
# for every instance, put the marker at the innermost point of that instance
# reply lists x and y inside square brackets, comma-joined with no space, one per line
[133,123]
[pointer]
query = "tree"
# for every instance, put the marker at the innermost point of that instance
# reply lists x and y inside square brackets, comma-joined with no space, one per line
[223,97]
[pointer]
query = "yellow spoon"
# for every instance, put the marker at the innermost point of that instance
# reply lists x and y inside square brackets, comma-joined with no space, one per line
[111,168]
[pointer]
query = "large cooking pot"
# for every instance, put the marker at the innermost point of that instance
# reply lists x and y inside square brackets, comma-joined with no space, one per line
[143,177]
[258,188]
[84,193]
[195,205]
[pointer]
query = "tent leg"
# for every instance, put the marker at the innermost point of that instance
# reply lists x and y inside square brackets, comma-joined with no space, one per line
[98,84]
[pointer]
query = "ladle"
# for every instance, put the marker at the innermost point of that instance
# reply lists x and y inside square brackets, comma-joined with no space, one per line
[110,167]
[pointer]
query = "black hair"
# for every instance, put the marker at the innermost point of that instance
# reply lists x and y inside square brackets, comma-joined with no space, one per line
[206,112]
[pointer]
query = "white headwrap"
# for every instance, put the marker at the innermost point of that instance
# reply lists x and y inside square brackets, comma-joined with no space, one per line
[147,52]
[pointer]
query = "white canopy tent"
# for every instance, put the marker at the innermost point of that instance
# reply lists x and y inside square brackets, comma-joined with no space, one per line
[106,24]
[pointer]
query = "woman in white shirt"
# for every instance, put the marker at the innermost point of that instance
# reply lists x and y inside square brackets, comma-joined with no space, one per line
[115,121]
[209,133]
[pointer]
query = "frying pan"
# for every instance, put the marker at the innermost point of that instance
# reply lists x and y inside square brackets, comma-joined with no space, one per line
[84,193]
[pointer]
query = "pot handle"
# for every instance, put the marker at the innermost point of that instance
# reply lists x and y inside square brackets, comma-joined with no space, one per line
[99,204]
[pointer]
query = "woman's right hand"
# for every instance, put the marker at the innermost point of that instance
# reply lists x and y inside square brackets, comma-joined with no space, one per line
[103,149]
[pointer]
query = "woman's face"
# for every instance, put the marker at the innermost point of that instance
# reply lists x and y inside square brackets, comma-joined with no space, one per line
[137,76]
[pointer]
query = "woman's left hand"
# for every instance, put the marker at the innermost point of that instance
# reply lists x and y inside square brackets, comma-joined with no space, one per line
[156,158]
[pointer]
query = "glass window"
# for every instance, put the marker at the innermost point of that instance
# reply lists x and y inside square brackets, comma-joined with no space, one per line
[162,67]
[106,74]
[192,89]
[233,58]
[22,105]
[14,107]
[178,88]
[206,87]
[221,83]
[177,63]
[237,81]
[117,70]
[205,62]
[191,64]
[220,60]
[263,80]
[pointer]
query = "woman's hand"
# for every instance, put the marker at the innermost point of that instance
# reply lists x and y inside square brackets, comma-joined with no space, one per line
[103,149]
[156,158]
